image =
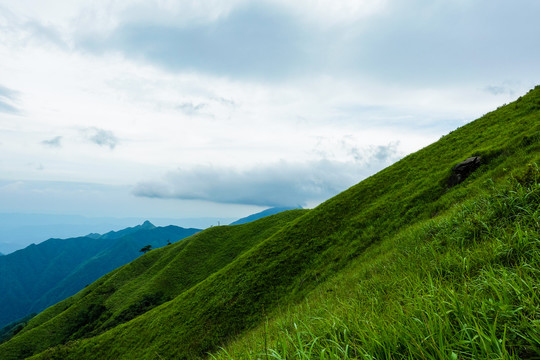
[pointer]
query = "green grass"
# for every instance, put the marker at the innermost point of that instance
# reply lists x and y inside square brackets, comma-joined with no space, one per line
[464,286]
[398,266]
[152,279]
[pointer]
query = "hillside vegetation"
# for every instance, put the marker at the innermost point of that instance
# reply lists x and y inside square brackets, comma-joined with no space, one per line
[399,266]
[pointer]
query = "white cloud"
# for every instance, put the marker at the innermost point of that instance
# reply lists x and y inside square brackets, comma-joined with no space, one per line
[300,83]
[55,142]
[100,137]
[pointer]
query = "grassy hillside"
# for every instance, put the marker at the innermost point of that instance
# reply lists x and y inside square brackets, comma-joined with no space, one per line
[27,274]
[399,266]
[122,250]
[464,285]
[133,289]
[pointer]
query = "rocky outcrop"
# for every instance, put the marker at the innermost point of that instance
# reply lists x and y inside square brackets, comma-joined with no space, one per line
[462,170]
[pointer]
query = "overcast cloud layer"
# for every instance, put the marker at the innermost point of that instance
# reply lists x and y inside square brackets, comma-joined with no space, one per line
[259,103]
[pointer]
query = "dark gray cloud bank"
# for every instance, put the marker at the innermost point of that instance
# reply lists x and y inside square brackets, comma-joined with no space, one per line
[279,184]
[412,42]
[253,41]
[419,41]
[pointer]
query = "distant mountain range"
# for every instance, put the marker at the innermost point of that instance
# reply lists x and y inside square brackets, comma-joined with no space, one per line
[17,230]
[264,213]
[40,275]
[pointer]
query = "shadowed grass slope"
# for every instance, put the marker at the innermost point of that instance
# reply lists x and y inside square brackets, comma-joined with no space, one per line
[282,269]
[121,250]
[39,276]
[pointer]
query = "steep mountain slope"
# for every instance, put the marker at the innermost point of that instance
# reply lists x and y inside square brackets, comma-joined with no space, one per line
[463,285]
[346,245]
[27,274]
[41,275]
[264,213]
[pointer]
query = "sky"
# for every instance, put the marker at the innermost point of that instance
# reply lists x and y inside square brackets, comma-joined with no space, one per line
[192,108]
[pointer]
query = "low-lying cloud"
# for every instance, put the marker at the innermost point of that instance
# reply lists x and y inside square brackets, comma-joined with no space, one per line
[271,185]
[278,184]
[101,137]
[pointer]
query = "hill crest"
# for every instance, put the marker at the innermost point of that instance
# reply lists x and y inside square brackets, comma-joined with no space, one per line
[264,213]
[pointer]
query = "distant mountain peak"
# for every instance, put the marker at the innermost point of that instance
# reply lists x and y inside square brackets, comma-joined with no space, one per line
[147,225]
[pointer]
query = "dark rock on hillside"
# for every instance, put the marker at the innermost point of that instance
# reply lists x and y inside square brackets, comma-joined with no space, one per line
[462,170]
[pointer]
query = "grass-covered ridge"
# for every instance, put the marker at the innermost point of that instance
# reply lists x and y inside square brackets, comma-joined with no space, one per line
[302,285]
